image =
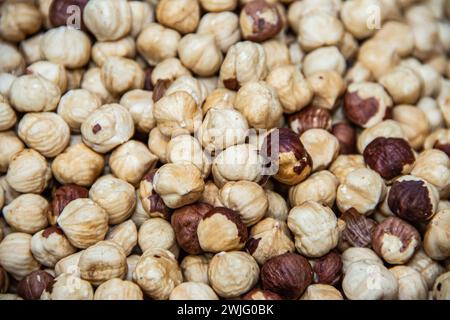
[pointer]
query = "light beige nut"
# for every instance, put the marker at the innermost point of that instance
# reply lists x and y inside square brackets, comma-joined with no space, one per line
[157,144]
[378,56]
[193,291]
[411,284]
[358,73]
[50,245]
[220,98]
[413,122]
[358,17]
[69,265]
[9,195]
[11,145]
[6,80]
[327,87]
[344,164]
[92,81]
[169,69]
[18,20]
[193,86]
[320,187]
[117,289]
[53,72]
[74,77]
[436,241]
[403,84]
[278,208]
[140,104]
[195,268]
[324,59]
[224,26]
[348,46]
[157,233]
[399,35]
[121,75]
[102,50]
[431,109]
[131,263]
[13,61]
[210,194]
[219,5]
[84,222]
[142,13]
[321,292]
[387,129]
[428,268]
[277,54]
[69,287]
[322,146]
[125,235]
[182,16]
[27,213]
[8,117]
[355,254]
[431,79]
[441,288]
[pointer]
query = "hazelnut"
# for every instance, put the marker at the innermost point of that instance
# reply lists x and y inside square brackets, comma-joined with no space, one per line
[33,285]
[8,117]
[83,222]
[327,269]
[344,164]
[403,84]
[431,79]
[60,12]
[221,229]
[439,139]
[324,59]
[399,35]
[92,81]
[210,194]
[278,208]
[53,72]
[194,87]
[384,129]
[27,213]
[414,124]
[157,233]
[260,21]
[9,195]
[441,288]
[413,199]
[411,284]
[117,289]
[232,274]
[193,291]
[436,239]
[132,261]
[74,78]
[378,56]
[195,268]
[13,63]
[4,281]
[322,146]
[428,268]
[287,275]
[346,135]
[355,255]
[259,294]
[315,228]
[68,265]
[102,51]
[224,26]
[18,20]
[277,54]
[69,287]
[327,87]
[358,73]
[431,109]
[10,297]
[6,80]
[157,144]
[321,292]
[125,235]
[182,16]
[358,229]
[357,19]
[140,104]
[319,187]
[167,70]
[16,257]
[218,5]
[157,273]
[121,75]
[152,203]
[142,13]
[348,45]
[185,222]
[311,117]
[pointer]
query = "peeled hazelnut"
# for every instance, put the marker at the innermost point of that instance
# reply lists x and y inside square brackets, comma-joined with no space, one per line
[260,21]
[223,25]
[157,144]
[8,117]
[399,35]
[324,59]
[167,70]
[13,65]
[196,88]
[232,274]
[18,20]
[27,213]
[195,268]
[403,84]
[278,208]
[344,164]
[321,292]
[125,235]
[378,56]
[441,288]
[140,104]
[124,48]
[358,73]
[431,79]
[411,284]
[92,81]
[357,17]
[182,16]
[354,255]
[310,117]
[413,122]
[132,261]
[68,265]
[277,54]
[121,75]
[322,146]
[193,291]
[157,273]
[358,229]
[185,222]
[11,144]
[428,268]
[436,239]
[33,285]
[53,72]
[431,109]
[413,199]
[60,12]
[327,87]
[287,275]
[157,233]
[152,203]
[117,289]
[69,287]
[259,294]
[319,187]
[9,195]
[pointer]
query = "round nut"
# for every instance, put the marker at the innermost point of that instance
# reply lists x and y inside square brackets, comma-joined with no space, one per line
[140,104]
[436,239]
[53,72]
[69,265]
[357,19]
[322,146]
[142,13]
[157,233]
[182,16]
[385,129]
[18,20]
[124,48]
[8,117]
[358,229]
[195,269]
[324,59]
[403,84]
[428,268]
[413,122]
[69,287]
[193,291]
[224,26]
[157,144]
[169,69]
[27,213]
[125,235]
[117,289]
[411,284]
[327,87]
[260,21]
[11,145]
[354,255]
[278,208]
[152,203]
[120,75]
[378,56]
[321,292]
[33,285]
[259,294]
[344,164]
[92,81]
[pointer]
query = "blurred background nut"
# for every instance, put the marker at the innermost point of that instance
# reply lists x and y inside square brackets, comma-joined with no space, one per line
[319,187]
[27,213]
[428,268]
[403,85]
[108,20]
[16,257]
[439,139]
[117,289]
[152,203]
[324,59]
[259,294]
[6,80]
[18,20]
[182,16]
[64,289]
[327,269]
[310,117]
[431,79]
[221,229]
[33,285]
[53,72]
[384,129]
[358,73]
[327,87]
[157,144]
[436,240]
[102,51]
[210,194]
[157,233]
[411,284]
[140,104]
[50,245]
[431,109]
[344,164]
[399,35]
[322,146]
[83,222]
[346,135]
[121,75]
[8,116]
[74,77]
[321,292]
[378,56]
[224,26]
[413,122]
[157,273]
[193,291]
[232,274]
[92,81]
[60,12]
[441,288]
[14,62]
[195,268]
[125,235]
[358,230]
[278,208]
[260,21]
[357,19]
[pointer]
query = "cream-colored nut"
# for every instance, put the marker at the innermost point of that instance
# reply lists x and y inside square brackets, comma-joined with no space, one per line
[348,46]
[378,56]
[125,48]
[6,80]
[84,222]
[315,227]
[76,105]
[66,46]
[355,254]
[31,49]
[386,129]
[157,144]
[11,145]
[2,203]
[278,208]
[169,69]
[117,289]
[193,291]
[245,62]
[156,43]
[177,113]
[12,60]
[219,5]
[359,280]
[277,54]
[431,79]
[413,122]
[50,246]
[232,274]
[327,87]
[18,20]
[53,72]
[224,26]
[157,233]
[181,15]
[440,136]
[210,194]
[259,103]
[293,90]
[191,85]
[220,98]
[10,297]
[403,84]
[322,146]
[195,268]
[92,81]
[32,93]
[296,54]
[436,240]
[45,132]
[399,35]
[131,266]
[9,195]
[187,149]
[157,273]
[443,101]
[428,268]
[142,13]
[107,127]
[27,213]
[424,29]
[28,172]
[16,257]
[108,20]
[358,17]
[102,262]
[362,189]
[70,287]
[441,288]
[431,109]
[121,74]
[68,265]
[78,164]
[8,116]
[324,59]
[319,187]
[140,104]
[344,164]
[178,184]
[125,235]
[321,292]
[411,284]
[358,73]
[239,162]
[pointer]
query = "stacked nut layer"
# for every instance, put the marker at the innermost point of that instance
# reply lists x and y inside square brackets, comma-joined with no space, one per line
[205,149]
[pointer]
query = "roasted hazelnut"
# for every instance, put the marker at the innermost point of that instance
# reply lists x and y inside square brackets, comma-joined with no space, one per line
[142,13]
[33,285]
[431,109]
[413,122]
[358,73]
[182,16]
[53,72]
[117,289]
[193,291]
[311,117]
[121,75]
[195,268]
[413,199]
[441,288]
[287,275]
[355,254]
[327,87]
[69,287]
[164,72]
[157,144]
[140,104]
[319,187]
[194,87]
[221,229]
[210,194]
[278,208]
[322,146]
[218,5]
[344,164]
[378,56]
[92,81]
[428,268]
[277,54]
[8,117]
[157,233]
[321,292]
[327,269]
[60,12]
[411,284]
[125,235]
[399,35]
[436,239]
[260,21]
[152,203]
[358,229]
[124,48]
[18,20]
[232,274]
[384,129]
[157,273]
[346,135]
[324,59]
[403,84]
[224,26]
[27,213]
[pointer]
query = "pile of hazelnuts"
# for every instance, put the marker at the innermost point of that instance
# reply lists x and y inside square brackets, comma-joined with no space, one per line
[224,149]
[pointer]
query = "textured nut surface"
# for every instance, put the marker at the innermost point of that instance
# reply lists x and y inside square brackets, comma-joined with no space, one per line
[411,284]
[193,291]
[441,288]
[346,135]
[18,20]
[327,269]
[64,289]
[195,268]
[322,146]
[436,240]
[50,245]
[310,117]
[358,229]
[224,26]
[182,16]
[140,104]
[321,292]
[260,21]
[33,285]
[125,235]
[63,196]
[117,289]
[386,129]
[27,213]
[344,164]
[157,233]
[121,74]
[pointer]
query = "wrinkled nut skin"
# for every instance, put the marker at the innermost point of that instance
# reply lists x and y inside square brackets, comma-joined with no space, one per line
[260,21]
[346,135]
[193,291]
[441,288]
[33,285]
[117,289]
[62,197]
[259,294]
[287,275]
[181,15]
[436,240]
[60,12]
[390,157]
[358,229]
[311,117]
[328,269]
[395,240]
[185,222]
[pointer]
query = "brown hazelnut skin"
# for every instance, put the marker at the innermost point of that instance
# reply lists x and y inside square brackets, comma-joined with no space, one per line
[287,275]
[160,89]
[185,222]
[4,281]
[33,285]
[309,118]
[358,229]
[255,26]
[59,14]
[259,294]
[328,269]
[62,197]
[346,135]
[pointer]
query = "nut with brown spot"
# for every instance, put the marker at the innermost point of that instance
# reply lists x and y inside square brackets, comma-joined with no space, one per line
[358,229]
[311,117]
[441,288]
[346,135]
[260,21]
[33,285]
[327,269]
[64,289]
[151,201]
[260,294]
[327,87]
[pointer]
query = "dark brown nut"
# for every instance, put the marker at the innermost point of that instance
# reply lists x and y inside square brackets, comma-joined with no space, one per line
[221,229]
[185,222]
[62,197]
[148,84]
[413,199]
[151,201]
[294,162]
[287,275]
[61,11]
[260,21]
[328,269]
[395,240]
[33,285]
[4,281]
[358,229]
[259,294]
[390,157]
[309,118]
[346,135]
[366,104]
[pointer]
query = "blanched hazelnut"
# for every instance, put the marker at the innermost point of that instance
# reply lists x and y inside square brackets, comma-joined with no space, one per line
[92,81]
[194,87]
[324,59]
[439,139]
[120,75]
[431,109]
[403,84]
[321,292]
[53,72]
[182,16]
[413,122]
[69,265]
[125,235]
[125,48]
[27,213]
[18,20]
[260,21]
[74,77]
[50,246]
[15,255]
[319,187]
[168,69]
[428,268]
[327,87]
[142,13]
[358,230]
[69,287]
[436,240]
[358,17]
[278,208]
[355,255]
[232,274]
[322,146]
[358,73]
[9,195]
[193,291]
[277,54]
[385,129]
[431,79]
[195,268]
[117,289]
[378,56]
[348,46]
[224,26]
[219,5]
[33,285]
[441,288]
[157,273]
[132,261]
[140,104]
[411,284]
[344,164]
[399,35]
[157,144]
[210,194]
[157,233]
[8,117]
[6,80]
